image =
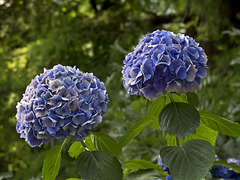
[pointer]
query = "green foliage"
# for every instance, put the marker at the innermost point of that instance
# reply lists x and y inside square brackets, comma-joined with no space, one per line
[103,142]
[51,163]
[98,165]
[75,149]
[156,106]
[192,98]
[233,166]
[144,174]
[89,143]
[220,124]
[192,160]
[204,133]
[134,131]
[179,119]
[142,164]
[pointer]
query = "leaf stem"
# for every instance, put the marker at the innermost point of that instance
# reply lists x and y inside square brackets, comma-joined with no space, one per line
[147,106]
[84,145]
[171,98]
[177,141]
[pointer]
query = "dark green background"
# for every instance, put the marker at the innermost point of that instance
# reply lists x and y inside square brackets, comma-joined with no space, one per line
[95,36]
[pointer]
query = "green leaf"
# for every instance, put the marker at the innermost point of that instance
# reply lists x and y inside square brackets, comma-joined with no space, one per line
[73,179]
[103,142]
[142,164]
[204,133]
[98,165]
[192,98]
[134,131]
[179,119]
[147,174]
[89,143]
[75,149]
[176,98]
[234,166]
[171,140]
[190,161]
[155,108]
[220,124]
[51,163]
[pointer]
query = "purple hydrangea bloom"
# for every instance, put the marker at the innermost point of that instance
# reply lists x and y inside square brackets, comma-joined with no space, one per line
[60,102]
[164,169]
[220,171]
[164,61]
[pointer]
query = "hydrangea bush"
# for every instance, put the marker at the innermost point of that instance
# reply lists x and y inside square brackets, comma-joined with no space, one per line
[164,61]
[64,102]
[61,102]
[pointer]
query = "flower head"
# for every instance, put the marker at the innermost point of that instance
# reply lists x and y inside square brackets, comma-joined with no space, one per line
[60,102]
[164,61]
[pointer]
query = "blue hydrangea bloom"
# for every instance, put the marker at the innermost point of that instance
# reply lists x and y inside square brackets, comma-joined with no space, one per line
[220,171]
[60,102]
[164,61]
[164,169]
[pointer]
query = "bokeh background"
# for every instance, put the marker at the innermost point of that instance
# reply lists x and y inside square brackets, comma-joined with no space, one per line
[95,36]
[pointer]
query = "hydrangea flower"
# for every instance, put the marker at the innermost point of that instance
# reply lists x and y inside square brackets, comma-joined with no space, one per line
[220,171]
[164,61]
[60,102]
[164,169]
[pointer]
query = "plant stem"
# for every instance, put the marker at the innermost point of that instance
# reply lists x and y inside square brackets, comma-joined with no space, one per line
[177,141]
[52,143]
[147,106]
[171,98]
[84,145]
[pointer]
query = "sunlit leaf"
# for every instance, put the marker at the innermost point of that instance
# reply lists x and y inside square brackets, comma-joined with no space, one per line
[51,163]
[233,166]
[204,133]
[220,124]
[142,164]
[75,149]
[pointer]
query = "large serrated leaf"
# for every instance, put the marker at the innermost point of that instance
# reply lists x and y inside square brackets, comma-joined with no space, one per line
[220,124]
[192,98]
[233,166]
[190,161]
[204,133]
[98,165]
[75,149]
[103,142]
[135,130]
[142,164]
[51,163]
[179,119]
[147,174]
